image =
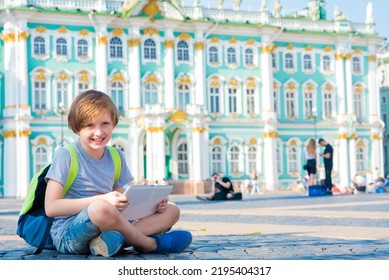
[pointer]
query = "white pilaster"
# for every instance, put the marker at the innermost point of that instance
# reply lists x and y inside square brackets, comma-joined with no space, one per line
[169,70]
[270,150]
[344,157]
[158,147]
[199,69]
[349,87]
[353,156]
[135,157]
[341,85]
[101,60]
[373,90]
[134,72]
[267,83]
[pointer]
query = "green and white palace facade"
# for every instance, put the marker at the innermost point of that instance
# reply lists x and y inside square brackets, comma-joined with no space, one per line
[198,89]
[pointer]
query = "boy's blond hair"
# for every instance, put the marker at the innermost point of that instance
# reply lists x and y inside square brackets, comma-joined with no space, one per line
[88,105]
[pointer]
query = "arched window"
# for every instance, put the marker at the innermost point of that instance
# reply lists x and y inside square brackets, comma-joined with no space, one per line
[151,93]
[252,158]
[357,69]
[117,95]
[292,160]
[116,48]
[231,56]
[232,99]
[183,96]
[358,106]
[214,94]
[182,159]
[63,94]
[216,159]
[82,48]
[308,103]
[290,104]
[182,51]
[289,64]
[234,160]
[40,158]
[249,57]
[39,45]
[40,91]
[326,63]
[250,99]
[327,103]
[360,159]
[307,62]
[61,47]
[149,49]
[213,55]
[274,61]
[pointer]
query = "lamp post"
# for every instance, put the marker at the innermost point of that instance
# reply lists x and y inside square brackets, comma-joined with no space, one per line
[62,111]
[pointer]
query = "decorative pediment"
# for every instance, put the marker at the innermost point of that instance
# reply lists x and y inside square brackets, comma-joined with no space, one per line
[154,9]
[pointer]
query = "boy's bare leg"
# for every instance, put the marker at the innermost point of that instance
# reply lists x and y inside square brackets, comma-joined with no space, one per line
[159,222]
[106,217]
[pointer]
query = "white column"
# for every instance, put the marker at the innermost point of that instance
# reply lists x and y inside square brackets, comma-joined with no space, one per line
[199,69]
[377,150]
[270,152]
[9,73]
[267,83]
[159,154]
[344,158]
[22,69]
[149,156]
[169,70]
[349,87]
[341,85]
[373,90]
[353,156]
[134,74]
[135,158]
[101,60]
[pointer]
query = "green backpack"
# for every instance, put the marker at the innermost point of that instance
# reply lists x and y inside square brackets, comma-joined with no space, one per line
[33,224]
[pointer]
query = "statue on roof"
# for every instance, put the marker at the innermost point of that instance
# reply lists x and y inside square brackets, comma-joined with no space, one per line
[370,14]
[277,9]
[264,5]
[220,4]
[339,16]
[314,10]
[128,5]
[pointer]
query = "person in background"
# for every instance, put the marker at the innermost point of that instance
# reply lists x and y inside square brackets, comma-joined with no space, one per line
[327,155]
[359,183]
[222,189]
[310,166]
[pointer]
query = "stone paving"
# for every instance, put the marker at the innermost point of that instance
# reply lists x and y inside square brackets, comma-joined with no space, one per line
[273,226]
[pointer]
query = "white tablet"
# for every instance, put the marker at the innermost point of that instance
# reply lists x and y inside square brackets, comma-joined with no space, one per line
[143,200]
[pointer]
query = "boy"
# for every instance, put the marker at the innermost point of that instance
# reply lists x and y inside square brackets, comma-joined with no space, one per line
[88,219]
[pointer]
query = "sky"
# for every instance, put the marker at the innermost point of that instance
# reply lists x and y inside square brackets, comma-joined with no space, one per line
[355,10]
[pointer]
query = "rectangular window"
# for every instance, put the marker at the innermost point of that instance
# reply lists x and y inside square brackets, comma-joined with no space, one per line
[250,101]
[232,106]
[215,99]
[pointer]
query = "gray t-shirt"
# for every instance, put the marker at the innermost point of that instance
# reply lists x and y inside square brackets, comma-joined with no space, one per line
[95,177]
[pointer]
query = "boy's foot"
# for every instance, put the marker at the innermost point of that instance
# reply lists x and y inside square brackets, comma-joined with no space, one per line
[172,241]
[107,244]
[201,197]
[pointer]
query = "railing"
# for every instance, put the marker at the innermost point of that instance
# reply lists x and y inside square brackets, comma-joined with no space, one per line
[203,13]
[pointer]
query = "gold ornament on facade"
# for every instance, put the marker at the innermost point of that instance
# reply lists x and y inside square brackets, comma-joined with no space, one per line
[199,46]
[184,36]
[232,40]
[185,80]
[23,36]
[41,76]
[271,134]
[275,86]
[118,77]
[42,141]
[358,51]
[178,117]
[234,83]
[360,144]
[375,137]
[358,88]
[308,48]
[84,32]
[372,58]
[215,40]
[253,141]
[117,32]
[251,84]
[328,49]
[217,141]
[339,56]
[343,136]
[63,76]
[250,42]
[155,129]
[169,44]
[12,133]
[354,136]
[62,30]
[134,42]
[151,9]
[215,82]
[152,79]
[268,49]
[40,29]
[291,86]
[150,32]
[9,37]
[290,47]
[84,77]
[329,88]
[310,87]
[347,56]
[103,40]
[198,129]
[293,143]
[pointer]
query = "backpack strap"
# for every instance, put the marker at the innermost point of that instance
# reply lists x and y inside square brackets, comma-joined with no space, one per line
[117,162]
[73,168]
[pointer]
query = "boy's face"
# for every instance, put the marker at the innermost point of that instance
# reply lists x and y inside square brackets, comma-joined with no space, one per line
[96,134]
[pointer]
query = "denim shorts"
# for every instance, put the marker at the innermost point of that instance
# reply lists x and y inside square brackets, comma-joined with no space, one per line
[78,234]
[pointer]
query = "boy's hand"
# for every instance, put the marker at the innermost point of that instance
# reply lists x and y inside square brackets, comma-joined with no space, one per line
[117,199]
[161,207]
